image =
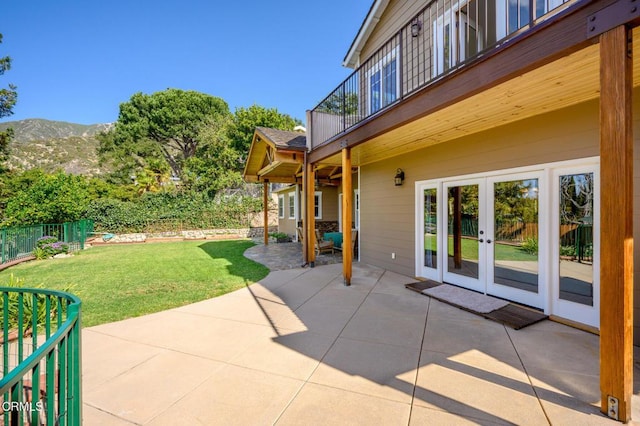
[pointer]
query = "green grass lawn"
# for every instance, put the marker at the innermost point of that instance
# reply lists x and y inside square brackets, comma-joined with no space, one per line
[118,282]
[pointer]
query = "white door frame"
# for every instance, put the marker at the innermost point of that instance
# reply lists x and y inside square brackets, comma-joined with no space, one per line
[548,231]
[585,314]
[477,284]
[538,299]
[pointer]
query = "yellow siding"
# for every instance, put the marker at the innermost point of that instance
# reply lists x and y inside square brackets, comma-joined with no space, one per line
[286,225]
[388,212]
[329,203]
[395,16]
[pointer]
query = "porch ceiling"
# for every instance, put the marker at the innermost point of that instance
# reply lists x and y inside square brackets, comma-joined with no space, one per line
[567,81]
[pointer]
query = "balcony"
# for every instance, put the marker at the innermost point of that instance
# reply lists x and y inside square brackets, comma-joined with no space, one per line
[442,38]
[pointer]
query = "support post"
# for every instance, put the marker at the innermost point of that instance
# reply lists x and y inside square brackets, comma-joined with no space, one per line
[347,202]
[616,223]
[265,203]
[310,225]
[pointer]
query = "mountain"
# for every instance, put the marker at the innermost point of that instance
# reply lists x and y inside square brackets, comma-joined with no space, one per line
[54,145]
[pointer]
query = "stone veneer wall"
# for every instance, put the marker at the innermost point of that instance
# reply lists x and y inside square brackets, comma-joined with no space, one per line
[202,234]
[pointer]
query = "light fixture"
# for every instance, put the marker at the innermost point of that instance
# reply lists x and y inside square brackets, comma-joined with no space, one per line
[399,178]
[416,26]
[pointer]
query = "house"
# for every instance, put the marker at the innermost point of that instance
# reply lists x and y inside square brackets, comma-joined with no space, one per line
[494,149]
[276,156]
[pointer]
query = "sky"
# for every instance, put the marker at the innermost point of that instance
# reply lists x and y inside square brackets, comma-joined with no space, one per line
[78,60]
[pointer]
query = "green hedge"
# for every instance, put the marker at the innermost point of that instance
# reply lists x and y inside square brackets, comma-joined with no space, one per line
[166,212]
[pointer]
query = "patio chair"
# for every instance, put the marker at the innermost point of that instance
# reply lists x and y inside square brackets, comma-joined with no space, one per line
[323,245]
[300,237]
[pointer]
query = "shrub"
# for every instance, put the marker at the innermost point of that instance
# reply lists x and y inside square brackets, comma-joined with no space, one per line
[48,246]
[27,306]
[56,198]
[567,251]
[187,210]
[530,245]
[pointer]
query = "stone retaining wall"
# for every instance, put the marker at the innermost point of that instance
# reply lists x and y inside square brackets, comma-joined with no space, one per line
[201,234]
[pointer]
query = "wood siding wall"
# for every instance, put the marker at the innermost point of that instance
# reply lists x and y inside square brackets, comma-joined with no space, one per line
[388,212]
[395,16]
[286,225]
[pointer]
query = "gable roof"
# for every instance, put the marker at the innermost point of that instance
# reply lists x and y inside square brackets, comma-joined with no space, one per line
[275,156]
[370,22]
[284,139]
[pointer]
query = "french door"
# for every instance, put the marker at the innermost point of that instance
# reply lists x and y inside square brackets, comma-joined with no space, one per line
[527,235]
[483,234]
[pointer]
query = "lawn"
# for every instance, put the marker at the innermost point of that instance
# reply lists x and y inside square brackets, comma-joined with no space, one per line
[124,281]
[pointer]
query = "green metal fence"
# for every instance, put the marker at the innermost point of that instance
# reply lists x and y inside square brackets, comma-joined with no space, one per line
[41,358]
[19,242]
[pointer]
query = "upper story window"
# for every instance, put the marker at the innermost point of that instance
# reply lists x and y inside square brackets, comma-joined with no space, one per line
[458,34]
[383,82]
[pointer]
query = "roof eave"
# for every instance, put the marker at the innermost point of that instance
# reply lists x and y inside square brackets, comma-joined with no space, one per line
[370,22]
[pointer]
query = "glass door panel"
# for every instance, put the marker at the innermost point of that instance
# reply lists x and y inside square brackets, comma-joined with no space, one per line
[576,238]
[515,257]
[514,244]
[431,228]
[576,245]
[463,265]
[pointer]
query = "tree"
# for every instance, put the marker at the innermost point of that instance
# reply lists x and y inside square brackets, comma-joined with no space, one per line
[164,125]
[8,98]
[53,198]
[340,103]
[216,163]
[245,120]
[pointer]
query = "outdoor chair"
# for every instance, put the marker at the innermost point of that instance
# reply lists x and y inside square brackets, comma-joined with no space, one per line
[323,245]
[354,238]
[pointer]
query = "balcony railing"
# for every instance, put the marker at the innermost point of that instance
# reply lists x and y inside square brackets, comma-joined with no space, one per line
[41,358]
[441,38]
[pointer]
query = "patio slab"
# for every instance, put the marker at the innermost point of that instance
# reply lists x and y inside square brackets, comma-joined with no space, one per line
[301,348]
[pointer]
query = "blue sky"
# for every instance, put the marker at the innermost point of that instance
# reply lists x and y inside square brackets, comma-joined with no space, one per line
[77,60]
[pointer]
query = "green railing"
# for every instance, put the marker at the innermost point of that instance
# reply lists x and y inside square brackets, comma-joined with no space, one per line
[19,242]
[41,358]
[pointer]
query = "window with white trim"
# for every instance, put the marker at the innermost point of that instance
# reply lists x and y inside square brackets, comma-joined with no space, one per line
[292,205]
[281,206]
[317,205]
[383,82]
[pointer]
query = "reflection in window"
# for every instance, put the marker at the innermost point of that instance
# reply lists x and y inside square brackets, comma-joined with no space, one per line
[383,83]
[576,238]
[515,260]
[430,228]
[463,250]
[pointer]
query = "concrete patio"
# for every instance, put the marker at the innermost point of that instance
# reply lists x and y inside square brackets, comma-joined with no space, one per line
[301,348]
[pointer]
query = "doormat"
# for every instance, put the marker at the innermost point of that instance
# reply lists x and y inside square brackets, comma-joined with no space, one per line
[509,314]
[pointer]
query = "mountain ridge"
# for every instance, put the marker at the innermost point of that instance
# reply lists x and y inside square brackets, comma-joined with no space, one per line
[54,145]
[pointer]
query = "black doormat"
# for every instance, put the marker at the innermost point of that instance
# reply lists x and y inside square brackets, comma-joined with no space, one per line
[512,315]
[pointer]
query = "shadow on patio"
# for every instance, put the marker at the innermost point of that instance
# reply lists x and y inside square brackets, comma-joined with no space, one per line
[300,348]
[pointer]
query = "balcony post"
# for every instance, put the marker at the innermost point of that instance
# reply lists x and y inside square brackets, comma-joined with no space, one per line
[347,202]
[265,203]
[310,218]
[616,224]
